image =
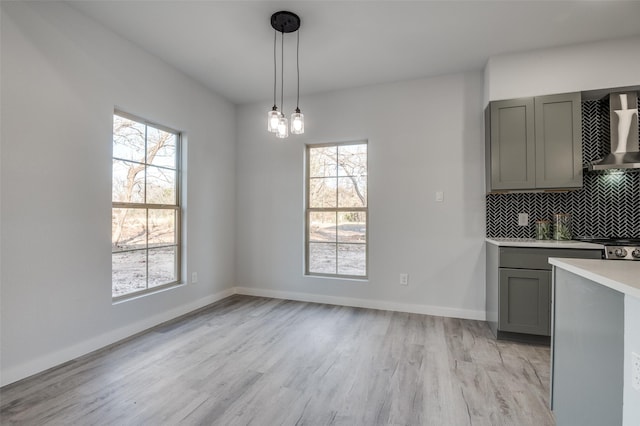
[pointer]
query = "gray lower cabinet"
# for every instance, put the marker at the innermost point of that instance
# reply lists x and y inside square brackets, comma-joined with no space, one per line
[525,301]
[534,143]
[518,293]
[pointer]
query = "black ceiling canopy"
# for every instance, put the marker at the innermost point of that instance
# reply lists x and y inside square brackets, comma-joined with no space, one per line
[285,22]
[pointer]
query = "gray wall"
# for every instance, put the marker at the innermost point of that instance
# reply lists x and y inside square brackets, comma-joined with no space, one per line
[62,76]
[575,68]
[424,136]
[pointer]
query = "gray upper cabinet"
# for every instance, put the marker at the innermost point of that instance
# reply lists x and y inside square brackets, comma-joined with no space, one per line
[512,144]
[558,141]
[535,143]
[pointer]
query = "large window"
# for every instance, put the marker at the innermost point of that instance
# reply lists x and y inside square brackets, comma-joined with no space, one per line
[145,213]
[336,236]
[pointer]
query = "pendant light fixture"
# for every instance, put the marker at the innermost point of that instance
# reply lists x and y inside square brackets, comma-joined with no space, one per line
[284,22]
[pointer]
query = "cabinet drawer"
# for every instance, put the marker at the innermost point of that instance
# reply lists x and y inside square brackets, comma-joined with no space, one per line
[538,258]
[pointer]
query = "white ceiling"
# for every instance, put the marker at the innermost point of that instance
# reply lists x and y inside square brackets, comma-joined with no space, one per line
[228,45]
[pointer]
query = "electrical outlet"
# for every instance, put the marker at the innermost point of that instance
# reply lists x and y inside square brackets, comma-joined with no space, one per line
[404,279]
[635,371]
[194,277]
[523,219]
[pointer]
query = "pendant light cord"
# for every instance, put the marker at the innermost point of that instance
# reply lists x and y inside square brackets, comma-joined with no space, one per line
[282,75]
[275,72]
[298,69]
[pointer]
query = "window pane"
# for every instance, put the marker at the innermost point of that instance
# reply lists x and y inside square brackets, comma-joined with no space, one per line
[162,266]
[128,229]
[322,227]
[161,147]
[128,272]
[322,192]
[352,160]
[144,241]
[352,259]
[337,210]
[352,227]
[322,258]
[128,139]
[352,192]
[161,186]
[322,161]
[162,227]
[123,189]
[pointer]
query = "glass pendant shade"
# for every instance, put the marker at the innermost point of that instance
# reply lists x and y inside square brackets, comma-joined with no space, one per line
[273,117]
[297,122]
[283,128]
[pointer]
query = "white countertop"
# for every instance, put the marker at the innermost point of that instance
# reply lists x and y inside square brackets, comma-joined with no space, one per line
[530,242]
[620,275]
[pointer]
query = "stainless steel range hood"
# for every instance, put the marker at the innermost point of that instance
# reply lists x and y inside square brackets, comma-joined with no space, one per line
[624,134]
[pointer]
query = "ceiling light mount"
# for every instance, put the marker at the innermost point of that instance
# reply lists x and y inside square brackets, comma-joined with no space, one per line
[285,22]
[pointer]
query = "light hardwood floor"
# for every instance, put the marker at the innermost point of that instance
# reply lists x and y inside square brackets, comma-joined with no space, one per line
[257,361]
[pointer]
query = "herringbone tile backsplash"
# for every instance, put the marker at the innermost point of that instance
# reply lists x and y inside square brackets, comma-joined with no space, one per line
[607,206]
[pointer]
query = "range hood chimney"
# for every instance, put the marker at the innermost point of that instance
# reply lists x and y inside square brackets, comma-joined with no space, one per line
[624,134]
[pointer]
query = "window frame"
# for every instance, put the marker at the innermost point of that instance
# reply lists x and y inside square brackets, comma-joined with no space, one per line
[177,208]
[337,209]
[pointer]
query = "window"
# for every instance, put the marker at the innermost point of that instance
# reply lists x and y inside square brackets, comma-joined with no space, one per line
[145,209]
[336,211]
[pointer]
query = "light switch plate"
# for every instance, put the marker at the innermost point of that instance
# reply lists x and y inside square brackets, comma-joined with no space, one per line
[440,196]
[404,279]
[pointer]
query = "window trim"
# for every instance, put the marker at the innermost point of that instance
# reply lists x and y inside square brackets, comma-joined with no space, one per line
[309,210]
[177,207]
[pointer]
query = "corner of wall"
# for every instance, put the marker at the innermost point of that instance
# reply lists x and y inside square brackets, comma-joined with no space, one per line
[85,347]
[486,74]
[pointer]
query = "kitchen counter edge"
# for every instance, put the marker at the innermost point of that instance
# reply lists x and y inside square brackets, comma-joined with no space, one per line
[619,275]
[530,242]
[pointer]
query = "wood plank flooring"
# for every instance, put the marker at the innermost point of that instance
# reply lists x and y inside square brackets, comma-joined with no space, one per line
[257,361]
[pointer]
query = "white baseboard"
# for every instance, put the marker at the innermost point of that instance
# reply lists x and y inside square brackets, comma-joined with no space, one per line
[439,311]
[82,348]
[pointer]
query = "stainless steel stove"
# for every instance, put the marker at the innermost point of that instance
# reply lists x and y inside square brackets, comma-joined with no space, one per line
[618,248]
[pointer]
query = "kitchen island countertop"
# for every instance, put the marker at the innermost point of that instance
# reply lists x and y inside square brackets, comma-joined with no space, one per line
[619,275]
[531,242]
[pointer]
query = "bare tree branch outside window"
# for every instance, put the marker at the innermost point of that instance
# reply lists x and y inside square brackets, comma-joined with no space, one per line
[337,210]
[145,214]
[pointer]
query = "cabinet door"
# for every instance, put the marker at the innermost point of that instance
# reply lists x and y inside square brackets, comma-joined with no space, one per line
[525,301]
[512,155]
[558,146]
